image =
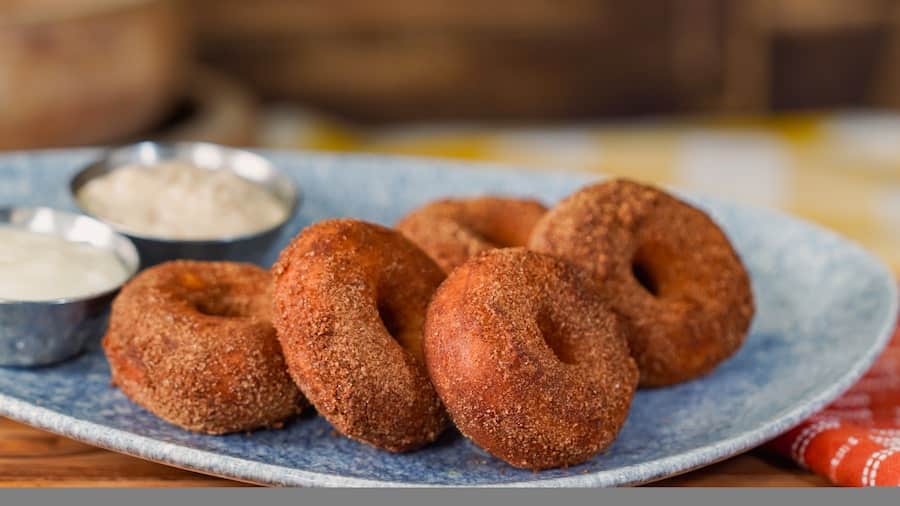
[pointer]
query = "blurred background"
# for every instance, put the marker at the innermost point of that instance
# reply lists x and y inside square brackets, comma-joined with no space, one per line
[790,104]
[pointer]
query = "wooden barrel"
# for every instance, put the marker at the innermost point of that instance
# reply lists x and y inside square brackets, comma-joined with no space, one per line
[86,71]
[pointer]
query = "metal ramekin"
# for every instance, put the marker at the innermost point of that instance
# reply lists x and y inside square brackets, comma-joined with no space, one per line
[43,332]
[244,248]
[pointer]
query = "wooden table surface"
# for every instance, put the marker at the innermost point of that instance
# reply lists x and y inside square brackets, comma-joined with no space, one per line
[34,458]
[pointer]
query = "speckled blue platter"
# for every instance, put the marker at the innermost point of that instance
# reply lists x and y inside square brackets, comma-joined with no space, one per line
[825,308]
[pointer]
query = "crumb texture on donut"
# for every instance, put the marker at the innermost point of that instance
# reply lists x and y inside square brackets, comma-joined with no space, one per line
[350,301]
[529,358]
[193,343]
[453,230]
[678,281]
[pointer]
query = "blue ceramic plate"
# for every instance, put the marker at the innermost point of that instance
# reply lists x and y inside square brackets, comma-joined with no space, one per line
[825,309]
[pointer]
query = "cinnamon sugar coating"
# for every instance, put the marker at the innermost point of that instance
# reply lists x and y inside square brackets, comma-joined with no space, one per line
[678,281]
[453,230]
[193,343]
[350,301]
[529,358]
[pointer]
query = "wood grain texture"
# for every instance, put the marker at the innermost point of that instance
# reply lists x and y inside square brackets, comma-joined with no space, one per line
[425,59]
[94,71]
[33,458]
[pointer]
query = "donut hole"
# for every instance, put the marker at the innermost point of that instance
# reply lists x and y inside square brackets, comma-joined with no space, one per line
[221,307]
[646,267]
[221,302]
[496,239]
[405,331]
[556,338]
[390,320]
[498,235]
[494,235]
[475,233]
[642,274]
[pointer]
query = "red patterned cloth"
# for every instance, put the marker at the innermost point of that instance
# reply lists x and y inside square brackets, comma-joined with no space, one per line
[856,440]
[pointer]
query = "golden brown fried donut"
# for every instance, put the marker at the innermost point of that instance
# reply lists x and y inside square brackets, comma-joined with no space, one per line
[677,279]
[453,230]
[350,301]
[529,358]
[193,343]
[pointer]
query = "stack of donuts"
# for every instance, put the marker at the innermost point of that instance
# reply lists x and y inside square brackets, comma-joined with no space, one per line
[529,329]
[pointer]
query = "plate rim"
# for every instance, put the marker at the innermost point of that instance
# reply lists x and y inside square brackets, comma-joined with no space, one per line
[242,469]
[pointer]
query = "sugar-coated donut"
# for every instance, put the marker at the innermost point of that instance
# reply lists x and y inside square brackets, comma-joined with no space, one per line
[678,280]
[350,301]
[529,358]
[193,343]
[453,230]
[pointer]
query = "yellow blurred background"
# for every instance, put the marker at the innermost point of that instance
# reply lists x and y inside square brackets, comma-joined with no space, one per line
[841,170]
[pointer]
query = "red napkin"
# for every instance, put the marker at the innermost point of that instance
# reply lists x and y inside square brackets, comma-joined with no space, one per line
[856,440]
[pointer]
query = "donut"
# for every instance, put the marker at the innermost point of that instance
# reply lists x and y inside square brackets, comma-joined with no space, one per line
[678,281]
[453,230]
[529,358]
[193,343]
[350,300]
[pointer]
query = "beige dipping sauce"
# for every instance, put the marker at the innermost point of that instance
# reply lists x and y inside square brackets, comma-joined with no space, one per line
[39,267]
[177,200]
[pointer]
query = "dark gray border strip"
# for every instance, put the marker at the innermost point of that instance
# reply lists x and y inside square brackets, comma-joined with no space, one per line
[289,497]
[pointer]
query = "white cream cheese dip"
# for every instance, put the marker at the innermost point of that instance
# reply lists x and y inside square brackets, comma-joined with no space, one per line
[178,200]
[40,267]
